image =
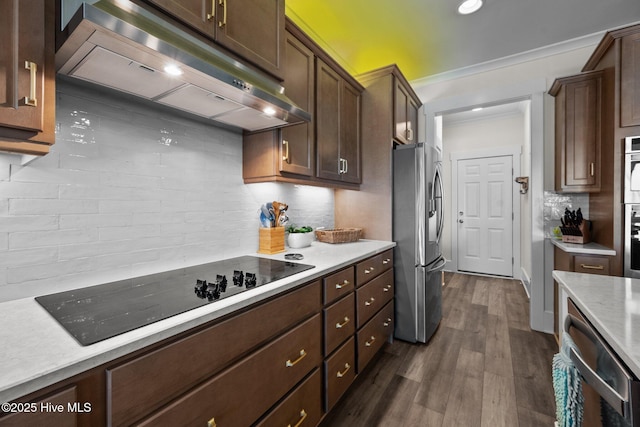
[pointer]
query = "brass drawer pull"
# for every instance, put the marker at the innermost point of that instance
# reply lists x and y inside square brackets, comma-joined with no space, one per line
[303,416]
[368,270]
[343,373]
[224,13]
[344,283]
[211,422]
[32,100]
[387,288]
[340,325]
[592,267]
[387,322]
[212,15]
[371,300]
[592,166]
[370,343]
[289,363]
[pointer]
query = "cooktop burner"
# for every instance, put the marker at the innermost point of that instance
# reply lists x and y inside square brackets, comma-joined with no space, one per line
[99,312]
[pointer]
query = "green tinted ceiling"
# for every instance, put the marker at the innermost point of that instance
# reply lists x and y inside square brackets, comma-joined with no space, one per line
[363,35]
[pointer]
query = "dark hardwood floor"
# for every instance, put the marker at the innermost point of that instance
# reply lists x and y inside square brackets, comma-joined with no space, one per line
[483,367]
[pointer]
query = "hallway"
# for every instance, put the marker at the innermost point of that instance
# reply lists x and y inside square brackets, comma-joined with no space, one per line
[483,367]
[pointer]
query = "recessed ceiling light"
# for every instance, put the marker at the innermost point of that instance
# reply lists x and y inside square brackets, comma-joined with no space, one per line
[172,70]
[469,6]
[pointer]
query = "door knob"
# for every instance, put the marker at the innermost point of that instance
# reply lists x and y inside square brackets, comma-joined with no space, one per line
[460,221]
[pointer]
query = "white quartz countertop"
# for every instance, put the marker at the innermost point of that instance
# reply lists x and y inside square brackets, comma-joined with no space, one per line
[586,249]
[35,350]
[612,305]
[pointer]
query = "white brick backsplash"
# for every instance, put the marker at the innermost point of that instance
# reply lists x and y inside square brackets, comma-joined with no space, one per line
[36,190]
[28,223]
[129,190]
[95,220]
[34,239]
[51,206]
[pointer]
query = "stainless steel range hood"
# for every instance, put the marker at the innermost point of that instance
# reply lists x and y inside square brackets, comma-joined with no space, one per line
[127,48]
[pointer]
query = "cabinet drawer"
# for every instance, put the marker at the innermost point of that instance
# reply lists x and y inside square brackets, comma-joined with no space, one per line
[339,372]
[372,267]
[144,384]
[339,322]
[591,264]
[242,393]
[38,417]
[338,285]
[302,407]
[374,334]
[373,296]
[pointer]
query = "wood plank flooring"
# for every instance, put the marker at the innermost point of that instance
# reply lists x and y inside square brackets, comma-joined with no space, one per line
[483,367]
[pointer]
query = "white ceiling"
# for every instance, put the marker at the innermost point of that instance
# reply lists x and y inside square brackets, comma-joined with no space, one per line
[429,38]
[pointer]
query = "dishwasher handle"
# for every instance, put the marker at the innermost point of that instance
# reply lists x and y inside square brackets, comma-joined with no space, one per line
[620,402]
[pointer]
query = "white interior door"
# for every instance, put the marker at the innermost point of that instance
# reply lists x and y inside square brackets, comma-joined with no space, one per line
[485,215]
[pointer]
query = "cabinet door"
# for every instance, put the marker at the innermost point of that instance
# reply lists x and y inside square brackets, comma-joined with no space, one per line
[297,148]
[254,29]
[412,121]
[580,134]
[198,14]
[401,100]
[34,415]
[328,84]
[27,88]
[350,134]
[630,81]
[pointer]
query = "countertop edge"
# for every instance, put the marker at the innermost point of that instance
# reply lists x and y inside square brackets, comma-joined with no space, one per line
[167,328]
[586,249]
[563,278]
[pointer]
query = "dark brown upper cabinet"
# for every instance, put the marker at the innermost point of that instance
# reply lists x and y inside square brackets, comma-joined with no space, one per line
[578,132]
[405,114]
[27,75]
[630,81]
[252,29]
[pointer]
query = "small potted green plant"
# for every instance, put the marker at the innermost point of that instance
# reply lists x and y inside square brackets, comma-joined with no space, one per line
[299,237]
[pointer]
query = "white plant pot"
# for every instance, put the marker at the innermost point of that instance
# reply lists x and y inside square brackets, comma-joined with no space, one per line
[299,240]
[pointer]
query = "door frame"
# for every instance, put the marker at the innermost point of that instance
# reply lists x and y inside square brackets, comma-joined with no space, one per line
[515,153]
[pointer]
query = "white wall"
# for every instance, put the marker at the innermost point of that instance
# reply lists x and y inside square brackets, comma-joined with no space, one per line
[129,190]
[497,84]
[471,135]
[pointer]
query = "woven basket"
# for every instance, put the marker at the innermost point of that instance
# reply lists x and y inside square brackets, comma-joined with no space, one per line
[339,235]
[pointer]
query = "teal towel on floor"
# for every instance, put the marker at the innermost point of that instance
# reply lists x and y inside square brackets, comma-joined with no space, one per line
[567,386]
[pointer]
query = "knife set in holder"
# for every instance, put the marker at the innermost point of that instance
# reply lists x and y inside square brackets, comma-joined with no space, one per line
[575,229]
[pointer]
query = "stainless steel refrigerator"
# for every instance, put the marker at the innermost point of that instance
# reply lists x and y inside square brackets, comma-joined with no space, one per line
[417,228]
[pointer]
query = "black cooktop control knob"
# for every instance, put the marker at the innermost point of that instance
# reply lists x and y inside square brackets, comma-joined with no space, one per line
[250,280]
[238,278]
[213,292]
[201,288]
[221,281]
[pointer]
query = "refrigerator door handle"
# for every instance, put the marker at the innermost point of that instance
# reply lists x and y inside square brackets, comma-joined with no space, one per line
[440,263]
[438,177]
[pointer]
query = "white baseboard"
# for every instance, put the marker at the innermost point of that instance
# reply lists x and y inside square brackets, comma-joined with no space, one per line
[526,282]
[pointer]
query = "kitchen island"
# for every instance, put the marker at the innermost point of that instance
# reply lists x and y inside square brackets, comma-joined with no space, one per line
[612,305]
[37,352]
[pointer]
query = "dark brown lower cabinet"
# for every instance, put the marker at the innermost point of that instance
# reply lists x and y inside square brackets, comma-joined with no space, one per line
[374,334]
[284,361]
[340,371]
[245,391]
[51,410]
[302,407]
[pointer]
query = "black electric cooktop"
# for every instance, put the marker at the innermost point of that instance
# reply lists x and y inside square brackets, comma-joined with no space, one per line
[99,312]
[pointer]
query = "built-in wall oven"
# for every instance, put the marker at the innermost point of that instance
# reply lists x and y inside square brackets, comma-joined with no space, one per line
[632,207]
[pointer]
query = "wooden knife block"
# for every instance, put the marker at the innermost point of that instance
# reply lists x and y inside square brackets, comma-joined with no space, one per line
[271,240]
[584,229]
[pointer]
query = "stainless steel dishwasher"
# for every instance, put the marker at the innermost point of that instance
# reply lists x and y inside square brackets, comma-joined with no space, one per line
[612,393]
